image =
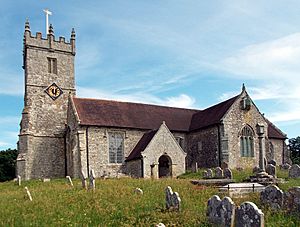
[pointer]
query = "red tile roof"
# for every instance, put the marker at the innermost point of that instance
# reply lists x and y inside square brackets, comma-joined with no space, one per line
[211,115]
[141,145]
[109,113]
[274,132]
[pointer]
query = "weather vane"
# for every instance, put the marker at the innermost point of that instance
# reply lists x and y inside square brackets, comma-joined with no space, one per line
[47,12]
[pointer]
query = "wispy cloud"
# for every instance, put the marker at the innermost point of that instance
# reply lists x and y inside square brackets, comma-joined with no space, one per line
[182,100]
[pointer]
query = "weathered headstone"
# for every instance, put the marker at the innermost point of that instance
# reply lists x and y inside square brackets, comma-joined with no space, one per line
[70,180]
[138,191]
[28,193]
[271,170]
[160,225]
[221,212]
[212,212]
[219,173]
[292,200]
[255,170]
[272,197]
[294,171]
[196,167]
[92,180]
[273,162]
[83,179]
[19,180]
[227,173]
[173,200]
[285,166]
[209,173]
[46,179]
[248,214]
[205,174]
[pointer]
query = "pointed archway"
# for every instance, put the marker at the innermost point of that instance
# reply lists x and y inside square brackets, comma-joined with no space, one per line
[164,166]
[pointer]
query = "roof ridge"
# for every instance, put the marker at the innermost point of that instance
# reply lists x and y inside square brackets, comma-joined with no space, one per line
[137,103]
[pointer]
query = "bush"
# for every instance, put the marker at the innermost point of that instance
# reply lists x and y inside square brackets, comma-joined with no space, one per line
[8,164]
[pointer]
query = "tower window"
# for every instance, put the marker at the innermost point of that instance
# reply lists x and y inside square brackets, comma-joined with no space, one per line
[52,65]
[246,142]
[116,147]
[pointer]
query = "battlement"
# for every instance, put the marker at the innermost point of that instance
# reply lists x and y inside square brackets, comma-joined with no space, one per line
[49,43]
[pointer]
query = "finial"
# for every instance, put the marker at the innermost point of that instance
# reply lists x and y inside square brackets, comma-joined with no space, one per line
[243,87]
[51,32]
[27,26]
[73,33]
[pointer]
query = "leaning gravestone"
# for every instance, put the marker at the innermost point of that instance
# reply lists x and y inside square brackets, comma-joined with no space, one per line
[70,180]
[227,173]
[292,200]
[173,201]
[205,174]
[272,197]
[92,179]
[209,173]
[219,173]
[294,171]
[220,212]
[28,193]
[271,170]
[248,215]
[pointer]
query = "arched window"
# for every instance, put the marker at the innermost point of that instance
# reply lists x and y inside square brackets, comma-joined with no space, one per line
[246,142]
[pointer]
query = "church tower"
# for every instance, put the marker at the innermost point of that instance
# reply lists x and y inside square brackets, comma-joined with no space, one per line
[49,81]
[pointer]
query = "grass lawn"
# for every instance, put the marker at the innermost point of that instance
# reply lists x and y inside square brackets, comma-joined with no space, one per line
[113,203]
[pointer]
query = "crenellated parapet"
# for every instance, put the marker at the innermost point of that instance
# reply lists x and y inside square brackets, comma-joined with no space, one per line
[49,43]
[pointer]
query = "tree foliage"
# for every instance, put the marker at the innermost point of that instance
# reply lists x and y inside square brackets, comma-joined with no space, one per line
[8,164]
[294,146]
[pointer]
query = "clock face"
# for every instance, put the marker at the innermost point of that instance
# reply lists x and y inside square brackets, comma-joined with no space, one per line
[54,91]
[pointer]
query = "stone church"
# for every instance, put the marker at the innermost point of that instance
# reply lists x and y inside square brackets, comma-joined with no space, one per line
[62,134]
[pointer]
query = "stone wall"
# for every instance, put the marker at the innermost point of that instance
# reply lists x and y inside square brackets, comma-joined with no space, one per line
[234,121]
[203,148]
[134,168]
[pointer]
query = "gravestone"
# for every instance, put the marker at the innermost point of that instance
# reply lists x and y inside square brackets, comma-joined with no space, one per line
[292,200]
[209,173]
[220,212]
[294,171]
[196,167]
[248,214]
[70,180]
[272,197]
[255,170]
[173,201]
[219,173]
[227,173]
[83,179]
[160,225]
[92,180]
[28,193]
[46,180]
[271,170]
[205,174]
[138,191]
[212,212]
[273,162]
[19,180]
[285,166]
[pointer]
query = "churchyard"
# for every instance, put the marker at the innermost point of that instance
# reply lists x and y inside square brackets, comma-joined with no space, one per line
[125,202]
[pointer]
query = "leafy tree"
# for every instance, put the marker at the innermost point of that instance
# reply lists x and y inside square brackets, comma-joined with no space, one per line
[8,164]
[294,145]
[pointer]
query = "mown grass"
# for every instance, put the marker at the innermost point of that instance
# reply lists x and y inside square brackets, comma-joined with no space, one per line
[113,203]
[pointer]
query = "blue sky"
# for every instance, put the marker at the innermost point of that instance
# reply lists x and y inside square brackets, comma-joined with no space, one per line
[180,53]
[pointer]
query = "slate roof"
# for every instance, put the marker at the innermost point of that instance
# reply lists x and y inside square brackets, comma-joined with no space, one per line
[96,112]
[141,145]
[211,115]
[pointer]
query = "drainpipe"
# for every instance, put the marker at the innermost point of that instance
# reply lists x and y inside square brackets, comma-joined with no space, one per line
[87,150]
[219,145]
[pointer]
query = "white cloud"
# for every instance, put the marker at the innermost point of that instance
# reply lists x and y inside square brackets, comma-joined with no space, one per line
[183,100]
[9,120]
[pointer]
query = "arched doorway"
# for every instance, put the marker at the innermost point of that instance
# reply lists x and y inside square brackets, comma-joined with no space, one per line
[164,166]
